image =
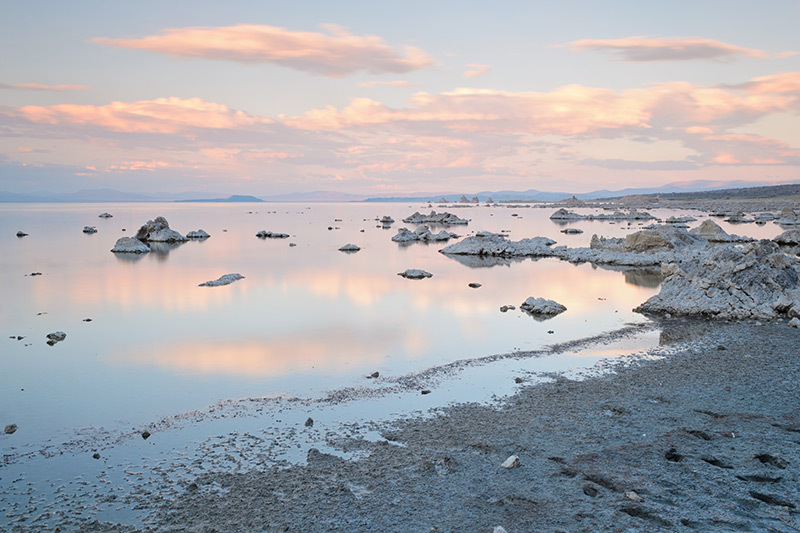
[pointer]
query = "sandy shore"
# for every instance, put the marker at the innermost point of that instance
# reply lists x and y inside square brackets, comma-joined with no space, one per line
[706,439]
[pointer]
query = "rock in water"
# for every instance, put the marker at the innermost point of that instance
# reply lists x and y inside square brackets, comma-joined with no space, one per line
[264,234]
[56,336]
[756,280]
[352,248]
[21,234]
[542,306]
[199,234]
[712,232]
[10,429]
[227,279]
[435,218]
[105,215]
[130,245]
[422,234]
[89,229]
[158,230]
[413,273]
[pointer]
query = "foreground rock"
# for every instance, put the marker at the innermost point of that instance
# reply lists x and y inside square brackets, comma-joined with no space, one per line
[264,234]
[422,234]
[413,273]
[444,219]
[158,230]
[227,279]
[199,234]
[789,237]
[542,306]
[130,245]
[752,281]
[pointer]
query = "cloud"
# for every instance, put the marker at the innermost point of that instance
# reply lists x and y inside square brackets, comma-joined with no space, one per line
[335,54]
[665,49]
[396,83]
[783,83]
[41,87]
[162,115]
[475,70]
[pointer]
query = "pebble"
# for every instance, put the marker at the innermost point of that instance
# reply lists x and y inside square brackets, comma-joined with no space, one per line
[9,429]
[511,462]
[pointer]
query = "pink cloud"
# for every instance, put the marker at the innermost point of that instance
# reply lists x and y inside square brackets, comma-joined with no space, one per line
[641,48]
[335,53]
[396,83]
[162,115]
[41,87]
[785,82]
[475,70]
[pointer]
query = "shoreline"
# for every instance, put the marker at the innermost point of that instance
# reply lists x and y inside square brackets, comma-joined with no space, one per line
[705,438]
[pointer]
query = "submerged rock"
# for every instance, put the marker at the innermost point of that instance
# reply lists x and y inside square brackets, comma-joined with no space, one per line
[264,234]
[542,306]
[435,218]
[413,273]
[227,279]
[89,229]
[199,234]
[158,230]
[751,281]
[130,245]
[422,234]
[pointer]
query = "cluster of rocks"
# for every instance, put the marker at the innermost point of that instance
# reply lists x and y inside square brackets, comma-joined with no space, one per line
[264,234]
[632,214]
[199,234]
[153,231]
[541,307]
[444,219]
[89,229]
[55,337]
[422,234]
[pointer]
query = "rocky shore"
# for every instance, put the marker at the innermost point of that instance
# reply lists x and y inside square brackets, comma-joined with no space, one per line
[705,438]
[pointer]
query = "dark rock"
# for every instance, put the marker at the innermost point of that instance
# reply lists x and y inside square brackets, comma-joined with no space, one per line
[145,434]
[673,456]
[309,422]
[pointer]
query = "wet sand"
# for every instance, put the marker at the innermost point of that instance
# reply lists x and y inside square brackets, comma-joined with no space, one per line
[704,439]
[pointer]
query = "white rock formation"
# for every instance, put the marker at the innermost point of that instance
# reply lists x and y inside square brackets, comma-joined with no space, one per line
[199,234]
[632,214]
[492,244]
[264,234]
[788,217]
[795,322]
[680,220]
[158,230]
[542,306]
[130,245]
[413,273]
[475,200]
[511,462]
[89,229]
[755,280]
[444,219]
[227,279]
[463,199]
[712,232]
[422,234]
[489,200]
[350,248]
[791,237]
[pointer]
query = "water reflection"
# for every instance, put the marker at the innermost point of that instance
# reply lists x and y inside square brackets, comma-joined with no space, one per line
[646,277]
[485,261]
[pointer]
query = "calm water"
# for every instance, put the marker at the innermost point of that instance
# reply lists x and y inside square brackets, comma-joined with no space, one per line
[305,319]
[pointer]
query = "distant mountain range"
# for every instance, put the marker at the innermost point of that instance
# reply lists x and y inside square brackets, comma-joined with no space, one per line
[111,195]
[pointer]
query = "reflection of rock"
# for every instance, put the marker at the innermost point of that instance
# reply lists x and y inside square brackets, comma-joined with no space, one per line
[751,281]
[444,219]
[542,306]
[422,234]
[264,234]
[158,230]
[644,277]
[161,249]
[413,273]
[199,234]
[89,229]
[351,248]
[485,261]
[712,232]
[790,237]
[227,279]
[130,245]
[738,218]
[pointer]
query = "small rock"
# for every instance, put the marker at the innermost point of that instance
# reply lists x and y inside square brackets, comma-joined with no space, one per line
[541,306]
[425,391]
[352,248]
[499,529]
[130,245]
[227,279]
[56,336]
[474,285]
[631,495]
[264,234]
[95,456]
[511,462]
[292,244]
[145,434]
[503,308]
[795,322]
[309,422]
[89,229]
[413,273]
[518,380]
[374,375]
[21,234]
[105,215]
[35,274]
[10,429]
[199,234]
[87,319]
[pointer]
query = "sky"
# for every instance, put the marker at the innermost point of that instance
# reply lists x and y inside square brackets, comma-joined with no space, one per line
[393,98]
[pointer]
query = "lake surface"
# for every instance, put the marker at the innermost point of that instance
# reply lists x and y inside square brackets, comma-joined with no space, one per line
[306,319]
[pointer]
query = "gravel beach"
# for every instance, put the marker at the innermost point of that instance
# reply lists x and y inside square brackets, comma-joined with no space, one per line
[704,439]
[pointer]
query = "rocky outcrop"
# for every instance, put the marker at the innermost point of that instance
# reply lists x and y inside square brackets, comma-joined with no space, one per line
[739,218]
[386,220]
[660,239]
[679,220]
[756,280]
[491,244]
[199,234]
[463,199]
[413,273]
[788,217]
[227,279]
[130,245]
[158,230]
[632,214]
[422,234]
[712,232]
[542,306]
[444,219]
[789,237]
[572,201]
[264,234]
